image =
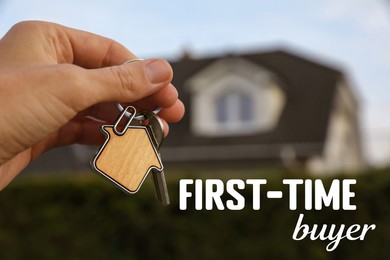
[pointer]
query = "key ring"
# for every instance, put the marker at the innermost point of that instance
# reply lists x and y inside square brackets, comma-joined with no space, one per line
[114,128]
[139,117]
[128,114]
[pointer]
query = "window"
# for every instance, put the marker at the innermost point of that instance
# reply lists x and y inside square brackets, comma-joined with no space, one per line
[234,97]
[246,108]
[222,109]
[234,108]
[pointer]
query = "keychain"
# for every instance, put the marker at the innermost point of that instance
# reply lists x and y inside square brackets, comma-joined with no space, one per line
[127,156]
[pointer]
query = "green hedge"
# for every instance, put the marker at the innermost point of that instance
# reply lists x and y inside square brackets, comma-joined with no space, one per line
[80,218]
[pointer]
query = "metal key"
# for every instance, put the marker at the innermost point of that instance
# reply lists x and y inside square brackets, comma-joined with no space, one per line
[156,130]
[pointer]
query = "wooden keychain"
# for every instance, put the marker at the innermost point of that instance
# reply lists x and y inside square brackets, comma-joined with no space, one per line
[127,156]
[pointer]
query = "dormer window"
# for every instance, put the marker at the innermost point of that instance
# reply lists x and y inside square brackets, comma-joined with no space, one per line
[234,97]
[234,109]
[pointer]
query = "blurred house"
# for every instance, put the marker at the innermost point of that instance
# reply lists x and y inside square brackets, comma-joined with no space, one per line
[265,108]
[271,108]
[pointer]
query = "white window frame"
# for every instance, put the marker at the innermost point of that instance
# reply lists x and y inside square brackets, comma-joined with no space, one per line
[234,75]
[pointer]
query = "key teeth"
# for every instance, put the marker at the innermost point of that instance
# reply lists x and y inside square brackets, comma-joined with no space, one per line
[156,131]
[161,188]
[166,203]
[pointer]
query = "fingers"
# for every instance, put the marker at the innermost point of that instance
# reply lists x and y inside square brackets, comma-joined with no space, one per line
[129,82]
[70,89]
[86,131]
[174,113]
[107,112]
[79,130]
[39,43]
[147,81]
[97,79]
[95,51]
[80,88]
[164,98]
[82,131]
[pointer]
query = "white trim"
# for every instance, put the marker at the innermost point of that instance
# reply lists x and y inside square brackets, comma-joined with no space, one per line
[342,150]
[212,73]
[238,75]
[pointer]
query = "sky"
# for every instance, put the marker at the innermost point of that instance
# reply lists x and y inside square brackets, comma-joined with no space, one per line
[353,35]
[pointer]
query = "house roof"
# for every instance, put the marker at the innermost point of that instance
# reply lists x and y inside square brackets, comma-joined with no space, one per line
[309,88]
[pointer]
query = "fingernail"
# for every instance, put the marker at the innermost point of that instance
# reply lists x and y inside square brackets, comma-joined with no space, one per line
[157,71]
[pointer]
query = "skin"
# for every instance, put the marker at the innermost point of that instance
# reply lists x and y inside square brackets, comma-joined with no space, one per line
[58,85]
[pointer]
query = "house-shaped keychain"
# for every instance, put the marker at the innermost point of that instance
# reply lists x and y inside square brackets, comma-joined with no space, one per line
[127,157]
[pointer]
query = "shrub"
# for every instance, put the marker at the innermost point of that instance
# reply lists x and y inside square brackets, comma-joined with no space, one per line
[89,218]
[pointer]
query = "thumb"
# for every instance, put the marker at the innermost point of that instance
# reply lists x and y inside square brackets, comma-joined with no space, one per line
[128,82]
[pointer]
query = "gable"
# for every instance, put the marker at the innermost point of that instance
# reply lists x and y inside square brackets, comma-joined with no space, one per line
[232,97]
